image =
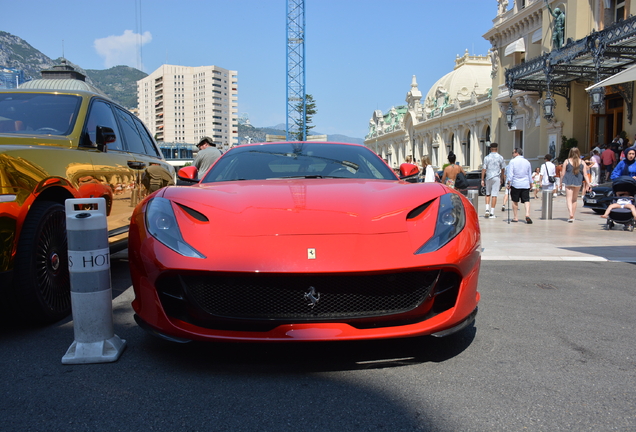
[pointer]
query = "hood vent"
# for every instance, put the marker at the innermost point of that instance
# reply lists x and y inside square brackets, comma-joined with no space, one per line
[418,210]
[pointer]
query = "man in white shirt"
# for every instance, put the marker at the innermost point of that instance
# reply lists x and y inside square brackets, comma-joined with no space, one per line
[492,176]
[519,183]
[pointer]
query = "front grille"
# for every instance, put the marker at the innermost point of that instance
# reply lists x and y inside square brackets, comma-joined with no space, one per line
[290,297]
[259,302]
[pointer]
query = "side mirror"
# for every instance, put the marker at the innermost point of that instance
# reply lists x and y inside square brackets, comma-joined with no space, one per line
[104,136]
[188,174]
[408,170]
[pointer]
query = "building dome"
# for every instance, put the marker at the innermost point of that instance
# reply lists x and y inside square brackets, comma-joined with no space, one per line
[471,74]
[61,77]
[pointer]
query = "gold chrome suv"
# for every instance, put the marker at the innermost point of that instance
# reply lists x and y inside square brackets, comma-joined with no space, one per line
[56,145]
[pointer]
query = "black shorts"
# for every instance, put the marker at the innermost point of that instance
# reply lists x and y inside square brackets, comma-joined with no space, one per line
[519,194]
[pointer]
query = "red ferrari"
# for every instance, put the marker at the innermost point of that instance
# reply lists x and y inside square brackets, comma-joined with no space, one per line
[303,241]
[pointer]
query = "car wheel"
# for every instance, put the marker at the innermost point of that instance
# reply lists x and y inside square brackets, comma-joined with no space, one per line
[41,265]
[482,190]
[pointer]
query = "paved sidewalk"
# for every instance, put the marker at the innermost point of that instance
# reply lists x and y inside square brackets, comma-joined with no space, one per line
[585,239]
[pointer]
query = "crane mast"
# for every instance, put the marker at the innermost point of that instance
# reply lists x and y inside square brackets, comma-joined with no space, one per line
[296,118]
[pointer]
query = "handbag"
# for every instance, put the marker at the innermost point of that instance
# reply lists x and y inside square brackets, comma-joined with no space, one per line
[550,178]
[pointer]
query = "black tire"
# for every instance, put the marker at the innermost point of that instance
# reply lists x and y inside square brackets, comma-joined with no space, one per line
[482,190]
[42,280]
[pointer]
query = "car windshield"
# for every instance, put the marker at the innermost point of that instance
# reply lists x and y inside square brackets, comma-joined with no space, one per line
[39,114]
[299,160]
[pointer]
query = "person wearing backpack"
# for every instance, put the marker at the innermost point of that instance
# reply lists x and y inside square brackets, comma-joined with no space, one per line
[449,176]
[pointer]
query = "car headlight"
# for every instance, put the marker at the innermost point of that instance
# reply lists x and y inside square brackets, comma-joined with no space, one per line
[451,219]
[161,223]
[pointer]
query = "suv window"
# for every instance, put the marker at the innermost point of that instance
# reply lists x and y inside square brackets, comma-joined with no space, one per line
[100,115]
[131,134]
[151,148]
[38,113]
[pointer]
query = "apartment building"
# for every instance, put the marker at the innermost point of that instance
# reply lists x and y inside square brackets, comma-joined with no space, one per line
[182,104]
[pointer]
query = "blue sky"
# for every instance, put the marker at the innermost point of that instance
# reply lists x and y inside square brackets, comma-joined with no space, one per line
[360,54]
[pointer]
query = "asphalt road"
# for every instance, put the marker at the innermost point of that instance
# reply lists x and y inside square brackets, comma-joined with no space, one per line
[552,350]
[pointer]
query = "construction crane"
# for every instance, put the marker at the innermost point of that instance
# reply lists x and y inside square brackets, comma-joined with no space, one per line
[296,118]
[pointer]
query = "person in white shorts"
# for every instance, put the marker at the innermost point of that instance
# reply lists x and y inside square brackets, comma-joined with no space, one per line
[492,177]
[548,169]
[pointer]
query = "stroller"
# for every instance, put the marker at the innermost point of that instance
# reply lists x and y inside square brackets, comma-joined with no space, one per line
[620,215]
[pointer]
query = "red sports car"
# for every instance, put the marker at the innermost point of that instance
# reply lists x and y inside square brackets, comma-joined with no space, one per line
[304,241]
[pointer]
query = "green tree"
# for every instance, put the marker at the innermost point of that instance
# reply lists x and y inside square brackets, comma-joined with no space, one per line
[310,111]
[566,145]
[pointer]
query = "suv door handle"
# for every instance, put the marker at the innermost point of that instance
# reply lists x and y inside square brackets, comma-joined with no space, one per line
[136,165]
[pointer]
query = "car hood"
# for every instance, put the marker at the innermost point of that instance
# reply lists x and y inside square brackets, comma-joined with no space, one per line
[306,206]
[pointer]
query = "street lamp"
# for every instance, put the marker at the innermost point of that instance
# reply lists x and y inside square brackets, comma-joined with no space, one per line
[510,115]
[598,97]
[548,106]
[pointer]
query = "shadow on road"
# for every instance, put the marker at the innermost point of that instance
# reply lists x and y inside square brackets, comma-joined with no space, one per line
[311,356]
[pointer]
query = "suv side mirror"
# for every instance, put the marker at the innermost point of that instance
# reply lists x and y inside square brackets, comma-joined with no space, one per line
[104,136]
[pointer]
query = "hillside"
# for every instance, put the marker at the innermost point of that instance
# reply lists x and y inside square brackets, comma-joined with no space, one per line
[119,83]
[18,54]
[258,134]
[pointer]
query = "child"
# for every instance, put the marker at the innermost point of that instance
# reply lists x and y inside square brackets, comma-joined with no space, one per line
[536,184]
[621,203]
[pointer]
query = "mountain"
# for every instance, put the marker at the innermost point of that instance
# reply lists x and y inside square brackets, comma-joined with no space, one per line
[280,130]
[18,54]
[345,139]
[259,134]
[118,83]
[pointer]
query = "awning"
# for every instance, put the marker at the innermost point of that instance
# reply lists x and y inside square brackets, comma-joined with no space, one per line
[627,75]
[579,61]
[517,46]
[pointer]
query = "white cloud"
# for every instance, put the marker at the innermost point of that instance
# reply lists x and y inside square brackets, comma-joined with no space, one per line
[122,50]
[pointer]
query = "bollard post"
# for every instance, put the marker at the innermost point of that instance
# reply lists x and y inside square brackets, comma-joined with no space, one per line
[473,197]
[91,291]
[546,204]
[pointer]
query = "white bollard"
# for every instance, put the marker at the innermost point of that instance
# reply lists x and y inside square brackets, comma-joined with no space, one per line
[546,204]
[91,291]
